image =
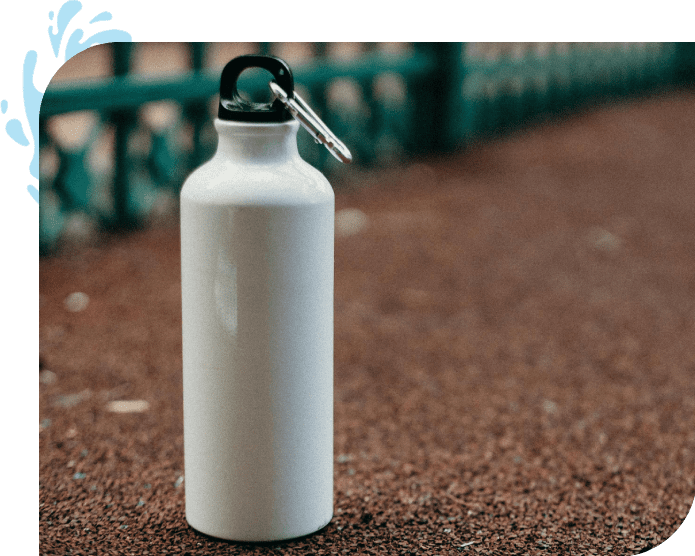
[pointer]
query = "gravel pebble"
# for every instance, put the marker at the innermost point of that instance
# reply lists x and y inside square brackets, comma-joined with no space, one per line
[76,302]
[128,406]
[47,377]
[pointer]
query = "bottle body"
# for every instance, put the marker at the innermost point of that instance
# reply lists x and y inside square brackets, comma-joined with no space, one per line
[257,307]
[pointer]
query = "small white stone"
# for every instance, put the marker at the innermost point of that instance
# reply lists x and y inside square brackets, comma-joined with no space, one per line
[603,240]
[550,406]
[71,400]
[47,377]
[128,406]
[76,302]
[350,221]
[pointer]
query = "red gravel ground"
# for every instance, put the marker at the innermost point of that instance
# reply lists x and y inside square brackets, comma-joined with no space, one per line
[514,358]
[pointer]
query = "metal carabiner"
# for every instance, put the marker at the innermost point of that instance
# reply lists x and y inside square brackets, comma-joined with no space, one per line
[312,123]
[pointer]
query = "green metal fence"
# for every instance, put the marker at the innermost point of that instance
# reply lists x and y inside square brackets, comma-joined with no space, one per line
[387,106]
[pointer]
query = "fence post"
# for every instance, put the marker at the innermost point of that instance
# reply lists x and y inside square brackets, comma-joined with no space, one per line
[438,100]
[265,48]
[319,102]
[197,111]
[124,120]
[685,63]
[367,156]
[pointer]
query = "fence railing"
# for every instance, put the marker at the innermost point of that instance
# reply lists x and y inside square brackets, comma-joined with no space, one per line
[139,137]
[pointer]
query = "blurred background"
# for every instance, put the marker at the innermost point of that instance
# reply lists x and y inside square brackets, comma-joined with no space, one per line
[122,124]
[514,293]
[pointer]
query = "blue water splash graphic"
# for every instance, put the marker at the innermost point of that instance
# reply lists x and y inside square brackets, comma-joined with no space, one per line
[103,16]
[67,11]
[33,192]
[75,46]
[32,96]
[15,131]
[32,105]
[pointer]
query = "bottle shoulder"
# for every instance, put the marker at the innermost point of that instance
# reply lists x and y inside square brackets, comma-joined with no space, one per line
[224,181]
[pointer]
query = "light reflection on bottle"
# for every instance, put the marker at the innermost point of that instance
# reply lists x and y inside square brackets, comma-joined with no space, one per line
[226,302]
[226,293]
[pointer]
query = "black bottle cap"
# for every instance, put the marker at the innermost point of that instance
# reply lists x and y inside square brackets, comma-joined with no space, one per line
[234,108]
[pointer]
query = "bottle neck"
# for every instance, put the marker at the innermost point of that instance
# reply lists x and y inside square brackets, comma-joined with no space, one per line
[257,143]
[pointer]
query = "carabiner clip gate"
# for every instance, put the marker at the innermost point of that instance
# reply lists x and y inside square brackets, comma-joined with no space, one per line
[312,123]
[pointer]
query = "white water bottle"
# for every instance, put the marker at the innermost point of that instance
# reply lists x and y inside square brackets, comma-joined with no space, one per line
[257,229]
